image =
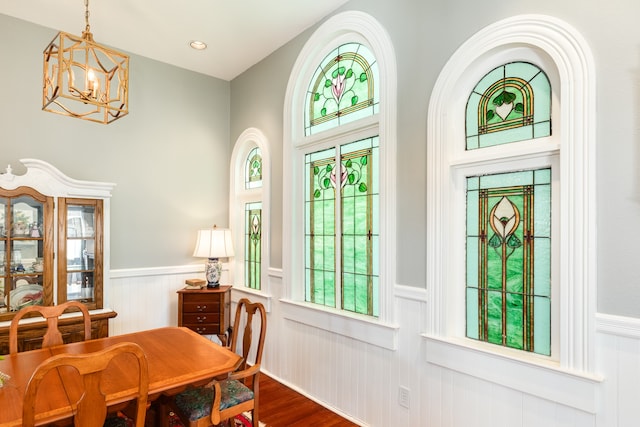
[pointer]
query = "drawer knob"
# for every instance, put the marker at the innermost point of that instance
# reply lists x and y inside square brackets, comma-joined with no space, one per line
[201,307]
[201,319]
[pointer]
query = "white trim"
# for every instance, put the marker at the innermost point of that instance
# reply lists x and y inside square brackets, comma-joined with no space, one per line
[47,179]
[357,327]
[238,292]
[410,293]
[572,389]
[350,25]
[628,327]
[575,67]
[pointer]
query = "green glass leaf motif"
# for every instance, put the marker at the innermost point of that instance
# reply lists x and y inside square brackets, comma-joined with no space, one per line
[363,160]
[349,73]
[519,107]
[316,194]
[329,168]
[513,242]
[490,115]
[338,71]
[363,77]
[348,163]
[327,83]
[323,112]
[362,187]
[316,96]
[351,178]
[326,182]
[504,98]
[354,100]
[316,170]
[495,241]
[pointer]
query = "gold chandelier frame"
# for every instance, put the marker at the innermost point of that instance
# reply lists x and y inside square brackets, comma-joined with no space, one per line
[84,79]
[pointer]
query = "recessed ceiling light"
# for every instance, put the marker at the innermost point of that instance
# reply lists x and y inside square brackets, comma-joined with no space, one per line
[198,45]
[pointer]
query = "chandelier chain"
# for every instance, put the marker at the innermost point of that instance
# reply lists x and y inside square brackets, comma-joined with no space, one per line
[86,16]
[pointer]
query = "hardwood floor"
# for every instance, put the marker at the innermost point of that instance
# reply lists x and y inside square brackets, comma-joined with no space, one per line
[281,406]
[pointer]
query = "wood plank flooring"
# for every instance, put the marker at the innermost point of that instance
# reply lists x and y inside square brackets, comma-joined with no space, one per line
[281,406]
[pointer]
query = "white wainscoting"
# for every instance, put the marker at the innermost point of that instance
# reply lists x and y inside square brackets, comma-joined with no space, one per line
[362,381]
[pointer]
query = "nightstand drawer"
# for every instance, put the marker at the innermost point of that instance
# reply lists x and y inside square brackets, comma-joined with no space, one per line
[201,307]
[191,319]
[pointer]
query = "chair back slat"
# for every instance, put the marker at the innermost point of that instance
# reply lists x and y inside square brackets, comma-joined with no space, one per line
[245,312]
[51,314]
[91,409]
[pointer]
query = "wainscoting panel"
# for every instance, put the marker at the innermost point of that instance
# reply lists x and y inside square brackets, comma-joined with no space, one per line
[362,381]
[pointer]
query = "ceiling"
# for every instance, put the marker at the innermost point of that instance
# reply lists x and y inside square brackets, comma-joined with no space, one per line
[239,33]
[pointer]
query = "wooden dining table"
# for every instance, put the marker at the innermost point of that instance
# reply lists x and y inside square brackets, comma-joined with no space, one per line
[177,358]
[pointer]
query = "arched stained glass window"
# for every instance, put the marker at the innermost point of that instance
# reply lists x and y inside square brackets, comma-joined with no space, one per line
[343,88]
[253,169]
[510,103]
[249,206]
[508,278]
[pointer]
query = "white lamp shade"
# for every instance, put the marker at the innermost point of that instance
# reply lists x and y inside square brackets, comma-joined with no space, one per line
[214,243]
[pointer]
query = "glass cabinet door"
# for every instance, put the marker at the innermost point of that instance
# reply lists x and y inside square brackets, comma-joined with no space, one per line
[26,250]
[80,248]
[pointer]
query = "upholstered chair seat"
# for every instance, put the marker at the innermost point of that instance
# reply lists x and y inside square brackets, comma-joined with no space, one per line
[196,403]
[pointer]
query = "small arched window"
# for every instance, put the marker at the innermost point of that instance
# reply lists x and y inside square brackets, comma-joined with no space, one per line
[510,103]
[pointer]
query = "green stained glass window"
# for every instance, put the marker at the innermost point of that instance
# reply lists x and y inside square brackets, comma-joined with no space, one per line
[343,201]
[510,103]
[253,169]
[252,246]
[343,88]
[508,274]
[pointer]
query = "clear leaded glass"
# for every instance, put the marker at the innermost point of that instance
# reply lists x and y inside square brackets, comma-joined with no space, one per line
[252,245]
[510,103]
[343,88]
[508,275]
[253,169]
[356,204]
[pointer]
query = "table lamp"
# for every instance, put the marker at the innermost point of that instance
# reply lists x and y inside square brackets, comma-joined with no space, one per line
[213,244]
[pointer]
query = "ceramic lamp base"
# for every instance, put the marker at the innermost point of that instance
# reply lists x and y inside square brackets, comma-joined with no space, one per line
[213,269]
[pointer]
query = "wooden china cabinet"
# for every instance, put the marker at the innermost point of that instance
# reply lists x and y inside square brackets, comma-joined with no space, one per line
[52,249]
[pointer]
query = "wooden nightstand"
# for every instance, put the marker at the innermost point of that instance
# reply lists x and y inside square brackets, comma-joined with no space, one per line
[206,311]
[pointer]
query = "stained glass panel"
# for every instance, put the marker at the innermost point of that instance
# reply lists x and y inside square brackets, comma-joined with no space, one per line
[510,103]
[360,232]
[343,89]
[253,169]
[356,205]
[253,244]
[508,277]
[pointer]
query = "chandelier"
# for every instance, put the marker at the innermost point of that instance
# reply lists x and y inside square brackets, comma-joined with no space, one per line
[83,79]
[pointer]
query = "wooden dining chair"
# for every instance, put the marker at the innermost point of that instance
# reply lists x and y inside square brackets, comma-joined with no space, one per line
[53,336]
[222,400]
[91,408]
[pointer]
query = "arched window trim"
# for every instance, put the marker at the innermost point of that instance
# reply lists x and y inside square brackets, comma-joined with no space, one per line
[577,237]
[239,195]
[351,26]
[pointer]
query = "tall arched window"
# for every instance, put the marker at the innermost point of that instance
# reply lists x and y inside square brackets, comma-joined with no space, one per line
[248,208]
[511,231]
[508,237]
[339,146]
[342,196]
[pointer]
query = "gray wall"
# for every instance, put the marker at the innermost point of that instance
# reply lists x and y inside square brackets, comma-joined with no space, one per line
[425,34]
[168,157]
